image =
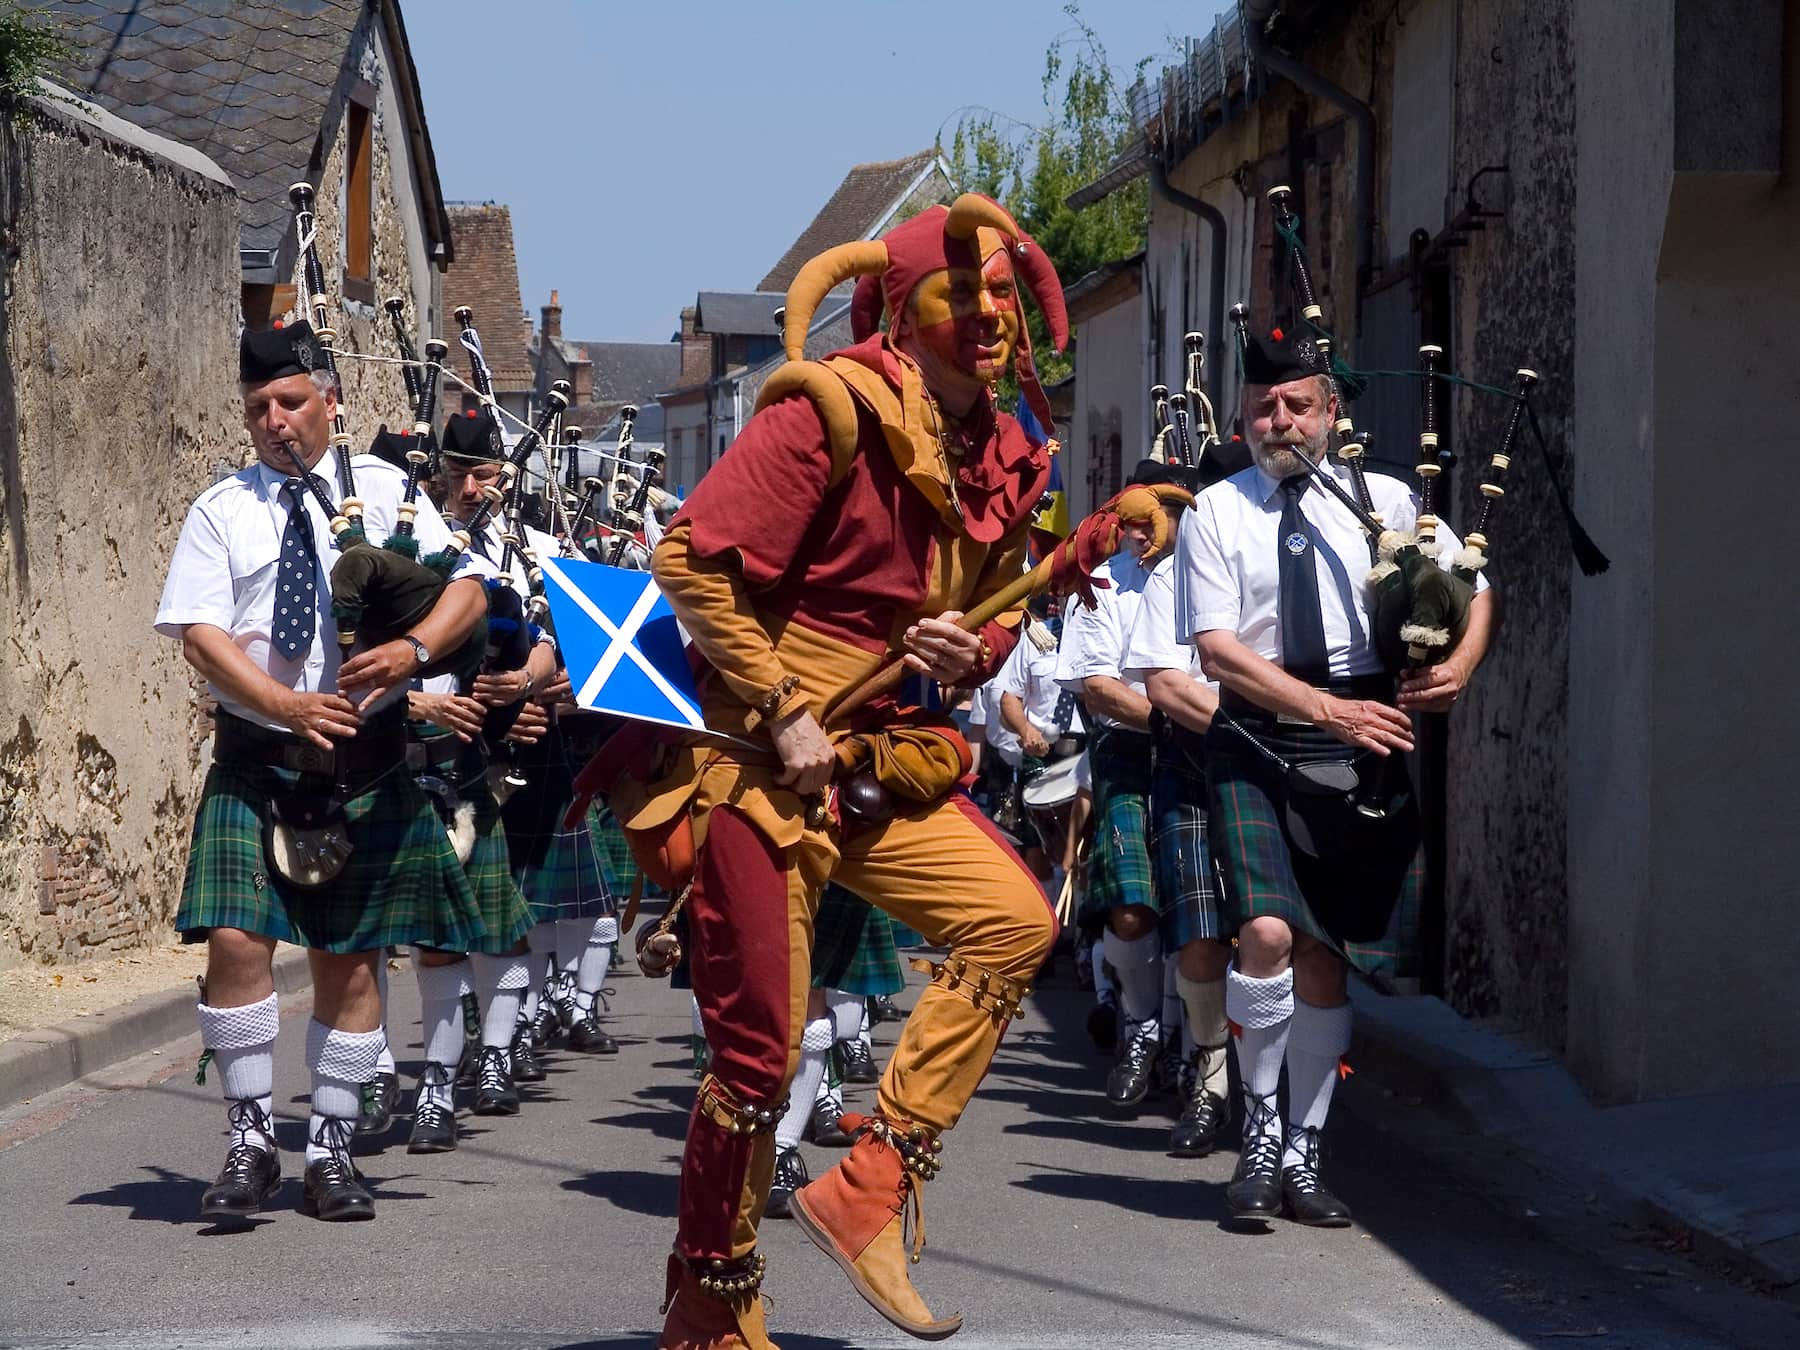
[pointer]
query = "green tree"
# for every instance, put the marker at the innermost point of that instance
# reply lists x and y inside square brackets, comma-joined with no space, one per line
[1034,168]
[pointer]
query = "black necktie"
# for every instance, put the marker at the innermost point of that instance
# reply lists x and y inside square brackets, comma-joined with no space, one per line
[296,600]
[1064,716]
[1302,623]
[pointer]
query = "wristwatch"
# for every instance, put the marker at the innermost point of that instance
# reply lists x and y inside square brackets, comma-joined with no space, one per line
[421,653]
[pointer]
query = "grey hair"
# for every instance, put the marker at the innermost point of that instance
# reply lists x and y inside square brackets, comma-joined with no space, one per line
[326,382]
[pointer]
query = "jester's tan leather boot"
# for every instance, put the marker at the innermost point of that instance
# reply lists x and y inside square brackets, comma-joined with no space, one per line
[856,1215]
[714,1305]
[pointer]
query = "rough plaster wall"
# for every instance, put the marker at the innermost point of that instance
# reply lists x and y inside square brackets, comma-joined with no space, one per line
[374,392]
[118,337]
[1506,884]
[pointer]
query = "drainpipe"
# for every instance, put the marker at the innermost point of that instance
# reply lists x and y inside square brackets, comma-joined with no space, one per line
[1215,319]
[1362,118]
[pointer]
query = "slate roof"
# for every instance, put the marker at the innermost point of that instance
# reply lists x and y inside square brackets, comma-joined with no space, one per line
[485,277]
[256,85]
[630,372]
[728,312]
[862,200]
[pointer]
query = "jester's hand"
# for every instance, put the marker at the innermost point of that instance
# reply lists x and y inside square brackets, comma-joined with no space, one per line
[942,648]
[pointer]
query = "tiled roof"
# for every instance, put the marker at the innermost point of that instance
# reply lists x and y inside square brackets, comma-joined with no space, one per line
[485,277]
[631,372]
[728,312]
[867,194]
[249,83]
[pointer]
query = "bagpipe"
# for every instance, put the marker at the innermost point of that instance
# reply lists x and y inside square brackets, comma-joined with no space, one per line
[630,521]
[1420,608]
[377,593]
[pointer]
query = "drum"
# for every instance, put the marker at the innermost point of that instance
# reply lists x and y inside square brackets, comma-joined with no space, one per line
[1054,787]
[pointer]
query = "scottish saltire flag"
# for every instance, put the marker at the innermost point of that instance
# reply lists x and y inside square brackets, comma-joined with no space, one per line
[620,642]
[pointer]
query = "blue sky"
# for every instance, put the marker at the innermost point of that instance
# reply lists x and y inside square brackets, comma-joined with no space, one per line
[651,150]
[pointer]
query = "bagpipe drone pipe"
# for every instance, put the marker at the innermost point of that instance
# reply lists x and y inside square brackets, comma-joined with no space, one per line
[377,593]
[1420,608]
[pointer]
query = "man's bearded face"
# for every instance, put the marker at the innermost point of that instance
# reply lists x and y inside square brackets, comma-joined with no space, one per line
[964,323]
[1286,421]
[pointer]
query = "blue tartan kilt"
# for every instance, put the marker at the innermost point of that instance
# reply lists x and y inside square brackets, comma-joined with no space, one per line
[1362,899]
[504,911]
[1186,878]
[564,873]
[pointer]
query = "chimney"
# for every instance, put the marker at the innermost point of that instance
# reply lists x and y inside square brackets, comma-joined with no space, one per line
[581,375]
[551,324]
[696,350]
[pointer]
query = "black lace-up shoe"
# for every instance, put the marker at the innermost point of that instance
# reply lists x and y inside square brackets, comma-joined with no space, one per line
[1303,1195]
[822,1127]
[434,1125]
[1255,1188]
[1203,1116]
[790,1176]
[495,1094]
[590,1038]
[378,1097]
[334,1188]
[859,1064]
[544,1026]
[526,1066]
[252,1168]
[1129,1082]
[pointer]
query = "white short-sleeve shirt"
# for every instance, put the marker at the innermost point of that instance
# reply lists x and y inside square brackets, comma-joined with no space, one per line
[1094,640]
[224,569]
[1227,574]
[1154,643]
[1030,676]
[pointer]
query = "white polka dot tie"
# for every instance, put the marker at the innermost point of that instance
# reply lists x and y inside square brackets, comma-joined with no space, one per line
[296,599]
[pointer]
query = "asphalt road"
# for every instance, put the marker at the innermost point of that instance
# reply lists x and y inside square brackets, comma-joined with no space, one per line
[1051,1225]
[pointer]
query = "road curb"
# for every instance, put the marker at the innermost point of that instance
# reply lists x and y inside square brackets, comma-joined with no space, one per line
[51,1057]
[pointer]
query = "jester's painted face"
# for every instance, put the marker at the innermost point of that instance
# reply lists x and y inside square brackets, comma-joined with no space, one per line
[963,325]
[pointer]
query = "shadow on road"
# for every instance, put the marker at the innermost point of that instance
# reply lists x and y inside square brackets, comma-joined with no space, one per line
[651,1193]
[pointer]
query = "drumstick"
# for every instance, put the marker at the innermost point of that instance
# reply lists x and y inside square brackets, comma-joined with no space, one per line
[1065,901]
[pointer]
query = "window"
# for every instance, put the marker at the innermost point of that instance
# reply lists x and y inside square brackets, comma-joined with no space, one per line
[359,203]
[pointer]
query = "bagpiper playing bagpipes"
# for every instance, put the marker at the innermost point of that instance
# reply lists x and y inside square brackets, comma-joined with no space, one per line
[307,633]
[1327,623]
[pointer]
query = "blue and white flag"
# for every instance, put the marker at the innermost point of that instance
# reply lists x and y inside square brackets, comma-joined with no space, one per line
[621,644]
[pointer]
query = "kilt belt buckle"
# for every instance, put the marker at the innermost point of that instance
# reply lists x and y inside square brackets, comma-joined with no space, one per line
[308,759]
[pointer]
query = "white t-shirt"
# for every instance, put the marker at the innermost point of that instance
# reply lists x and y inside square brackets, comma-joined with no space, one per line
[1094,640]
[1227,574]
[224,569]
[1030,676]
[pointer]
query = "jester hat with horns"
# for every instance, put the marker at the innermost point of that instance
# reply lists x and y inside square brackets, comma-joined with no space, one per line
[965,234]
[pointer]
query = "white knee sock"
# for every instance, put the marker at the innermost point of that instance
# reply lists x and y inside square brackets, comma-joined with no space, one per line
[242,1041]
[1137,962]
[440,1016]
[696,1027]
[341,1062]
[384,1062]
[571,944]
[596,960]
[1171,999]
[1204,1003]
[541,938]
[500,984]
[862,1028]
[847,1013]
[1104,988]
[1319,1040]
[1264,1009]
[815,1045]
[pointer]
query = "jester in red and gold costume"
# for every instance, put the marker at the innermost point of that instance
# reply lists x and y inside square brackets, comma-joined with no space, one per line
[875,497]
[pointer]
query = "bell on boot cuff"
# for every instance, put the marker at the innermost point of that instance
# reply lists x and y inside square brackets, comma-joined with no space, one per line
[719,1104]
[919,1147]
[733,1280]
[987,990]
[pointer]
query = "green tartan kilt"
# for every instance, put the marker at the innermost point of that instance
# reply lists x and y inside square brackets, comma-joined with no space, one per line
[565,873]
[504,912]
[853,946]
[1118,861]
[402,883]
[1363,904]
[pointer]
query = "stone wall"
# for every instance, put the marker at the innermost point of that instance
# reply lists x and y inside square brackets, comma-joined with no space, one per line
[118,334]
[1506,883]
